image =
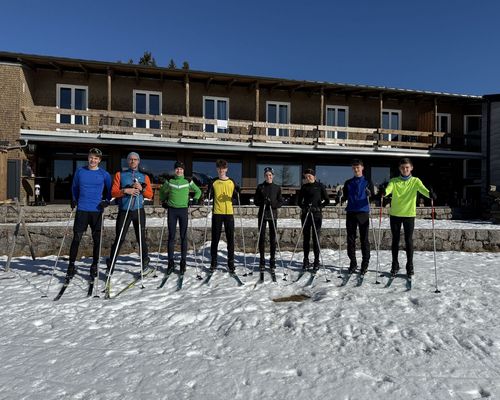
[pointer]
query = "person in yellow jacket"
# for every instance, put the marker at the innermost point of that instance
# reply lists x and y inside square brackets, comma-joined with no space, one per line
[222,190]
[403,211]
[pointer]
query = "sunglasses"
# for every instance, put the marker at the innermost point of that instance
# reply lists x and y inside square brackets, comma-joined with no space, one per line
[95,151]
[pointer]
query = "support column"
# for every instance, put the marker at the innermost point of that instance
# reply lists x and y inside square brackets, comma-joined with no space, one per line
[110,74]
[381,99]
[186,84]
[257,101]
[322,107]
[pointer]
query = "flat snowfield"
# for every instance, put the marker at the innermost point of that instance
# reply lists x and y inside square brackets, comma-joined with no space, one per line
[221,341]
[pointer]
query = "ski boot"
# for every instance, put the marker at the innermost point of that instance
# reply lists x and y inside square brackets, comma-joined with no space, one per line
[70,273]
[352,267]
[305,264]
[409,270]
[93,271]
[170,267]
[364,267]
[394,268]
[182,267]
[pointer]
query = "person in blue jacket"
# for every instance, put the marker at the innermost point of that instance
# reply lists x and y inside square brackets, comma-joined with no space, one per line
[87,196]
[356,192]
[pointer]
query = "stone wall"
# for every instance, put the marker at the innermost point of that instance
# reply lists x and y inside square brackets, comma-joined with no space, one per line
[62,213]
[47,239]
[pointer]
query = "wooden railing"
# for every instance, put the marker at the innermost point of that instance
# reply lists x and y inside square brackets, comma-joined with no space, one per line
[179,127]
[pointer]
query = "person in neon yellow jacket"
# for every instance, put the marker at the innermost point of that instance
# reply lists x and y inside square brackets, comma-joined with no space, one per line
[404,189]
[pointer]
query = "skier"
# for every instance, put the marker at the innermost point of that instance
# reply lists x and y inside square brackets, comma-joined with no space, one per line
[311,199]
[130,187]
[268,198]
[404,189]
[174,195]
[222,190]
[357,191]
[87,190]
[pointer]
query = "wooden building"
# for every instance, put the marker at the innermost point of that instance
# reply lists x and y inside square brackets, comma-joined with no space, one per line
[63,107]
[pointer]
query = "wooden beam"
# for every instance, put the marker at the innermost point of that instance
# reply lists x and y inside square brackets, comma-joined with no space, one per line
[110,75]
[257,101]
[136,75]
[85,70]
[381,107]
[57,67]
[230,84]
[321,106]
[208,82]
[186,91]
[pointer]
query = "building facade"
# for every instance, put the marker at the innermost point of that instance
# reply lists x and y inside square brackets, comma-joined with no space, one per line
[62,107]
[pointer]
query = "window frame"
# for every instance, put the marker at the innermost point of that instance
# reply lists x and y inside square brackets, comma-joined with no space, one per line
[289,114]
[73,88]
[389,137]
[438,128]
[147,93]
[336,108]
[216,99]
[469,135]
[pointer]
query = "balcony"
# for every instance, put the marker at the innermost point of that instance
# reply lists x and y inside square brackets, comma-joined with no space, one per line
[183,129]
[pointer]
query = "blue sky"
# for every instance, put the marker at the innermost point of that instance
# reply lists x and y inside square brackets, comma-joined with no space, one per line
[444,46]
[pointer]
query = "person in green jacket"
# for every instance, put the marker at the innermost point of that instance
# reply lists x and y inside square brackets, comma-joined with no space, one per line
[174,195]
[404,189]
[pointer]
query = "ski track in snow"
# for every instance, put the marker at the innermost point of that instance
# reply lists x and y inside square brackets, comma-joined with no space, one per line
[220,341]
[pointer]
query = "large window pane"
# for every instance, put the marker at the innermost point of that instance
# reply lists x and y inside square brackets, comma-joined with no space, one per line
[206,170]
[333,175]
[287,175]
[272,116]
[158,170]
[380,175]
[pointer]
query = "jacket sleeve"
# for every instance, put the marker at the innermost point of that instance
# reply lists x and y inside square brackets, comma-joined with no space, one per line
[75,186]
[236,190]
[196,190]
[422,189]
[164,191]
[325,200]
[345,190]
[300,197]
[259,197]
[278,202]
[148,190]
[116,191]
[107,185]
[388,188]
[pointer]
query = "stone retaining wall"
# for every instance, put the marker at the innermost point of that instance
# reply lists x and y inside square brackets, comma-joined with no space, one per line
[62,212]
[47,239]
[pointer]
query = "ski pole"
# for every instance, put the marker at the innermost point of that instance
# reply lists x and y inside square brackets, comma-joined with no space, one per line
[59,252]
[374,240]
[319,247]
[434,245]
[340,239]
[159,246]
[206,228]
[379,235]
[198,271]
[112,267]
[278,245]
[298,240]
[96,279]
[140,237]
[258,240]
[242,232]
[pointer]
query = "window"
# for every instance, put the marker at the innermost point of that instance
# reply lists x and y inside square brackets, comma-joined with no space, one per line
[391,119]
[204,170]
[216,108]
[333,175]
[443,124]
[147,103]
[472,132]
[286,175]
[158,170]
[472,169]
[70,97]
[380,175]
[278,113]
[337,116]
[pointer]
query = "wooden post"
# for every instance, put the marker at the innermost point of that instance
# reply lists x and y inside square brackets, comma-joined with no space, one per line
[186,84]
[257,101]
[322,107]
[110,73]
[434,122]
[3,173]
[381,97]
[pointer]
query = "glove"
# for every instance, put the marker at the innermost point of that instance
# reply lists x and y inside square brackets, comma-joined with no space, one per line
[164,205]
[103,204]
[267,201]
[340,193]
[191,201]
[73,204]
[368,192]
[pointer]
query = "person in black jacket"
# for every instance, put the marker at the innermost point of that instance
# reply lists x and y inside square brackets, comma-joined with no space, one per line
[268,198]
[312,198]
[357,192]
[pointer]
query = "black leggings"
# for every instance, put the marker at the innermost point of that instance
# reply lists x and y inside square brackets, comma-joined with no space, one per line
[174,215]
[217,221]
[121,222]
[317,219]
[83,219]
[353,220]
[408,226]
[262,239]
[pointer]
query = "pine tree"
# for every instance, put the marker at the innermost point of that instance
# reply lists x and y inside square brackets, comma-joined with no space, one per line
[171,64]
[147,59]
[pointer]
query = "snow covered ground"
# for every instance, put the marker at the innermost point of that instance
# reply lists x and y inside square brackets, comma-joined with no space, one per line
[227,342]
